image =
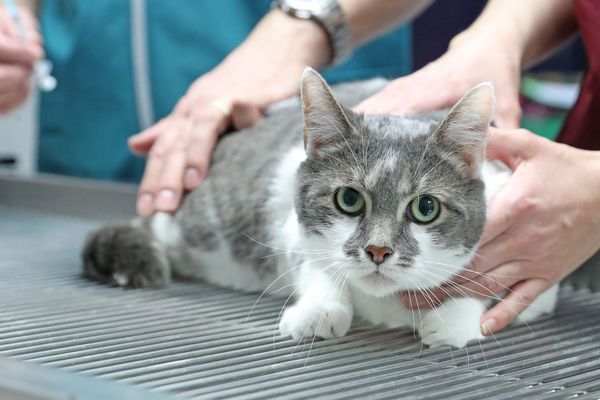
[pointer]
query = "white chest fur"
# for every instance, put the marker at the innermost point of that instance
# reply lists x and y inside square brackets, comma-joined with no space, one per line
[387,311]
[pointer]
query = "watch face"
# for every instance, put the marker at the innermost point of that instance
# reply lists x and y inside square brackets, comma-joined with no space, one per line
[314,6]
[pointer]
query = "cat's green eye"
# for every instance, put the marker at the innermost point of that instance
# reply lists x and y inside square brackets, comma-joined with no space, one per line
[349,200]
[423,209]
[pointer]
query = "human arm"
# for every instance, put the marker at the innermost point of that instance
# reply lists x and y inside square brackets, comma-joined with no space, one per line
[265,68]
[508,36]
[541,226]
[17,55]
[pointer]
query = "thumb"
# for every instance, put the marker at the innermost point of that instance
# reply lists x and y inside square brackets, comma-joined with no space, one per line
[508,146]
[12,50]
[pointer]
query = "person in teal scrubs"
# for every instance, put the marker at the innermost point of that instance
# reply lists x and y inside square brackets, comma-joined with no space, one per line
[180,73]
[86,121]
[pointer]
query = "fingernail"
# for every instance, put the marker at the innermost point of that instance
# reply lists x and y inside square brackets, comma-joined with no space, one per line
[191,178]
[487,326]
[145,203]
[166,200]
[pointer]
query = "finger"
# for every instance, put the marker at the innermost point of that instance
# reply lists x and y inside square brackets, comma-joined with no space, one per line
[142,142]
[32,33]
[207,124]
[150,185]
[469,274]
[31,26]
[480,285]
[425,299]
[13,77]
[503,313]
[35,44]
[35,37]
[488,285]
[171,179]
[433,297]
[7,24]
[13,50]
[29,20]
[199,154]
[12,100]
[490,255]
[500,146]
[32,40]
[511,146]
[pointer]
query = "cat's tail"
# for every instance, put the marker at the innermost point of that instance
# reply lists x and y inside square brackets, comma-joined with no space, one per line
[126,255]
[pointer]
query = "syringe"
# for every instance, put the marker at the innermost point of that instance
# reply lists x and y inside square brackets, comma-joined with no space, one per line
[42,69]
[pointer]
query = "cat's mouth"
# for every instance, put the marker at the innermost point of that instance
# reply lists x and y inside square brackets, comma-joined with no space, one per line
[376,277]
[376,283]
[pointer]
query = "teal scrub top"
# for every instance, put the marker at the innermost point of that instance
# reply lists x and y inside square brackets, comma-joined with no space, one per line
[85,122]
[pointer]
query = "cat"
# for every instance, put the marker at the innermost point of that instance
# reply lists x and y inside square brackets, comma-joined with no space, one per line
[346,209]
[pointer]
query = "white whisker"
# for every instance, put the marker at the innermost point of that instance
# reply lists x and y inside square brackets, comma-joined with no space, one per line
[276,280]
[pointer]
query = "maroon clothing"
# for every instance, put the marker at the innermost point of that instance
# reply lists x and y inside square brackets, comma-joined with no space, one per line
[582,126]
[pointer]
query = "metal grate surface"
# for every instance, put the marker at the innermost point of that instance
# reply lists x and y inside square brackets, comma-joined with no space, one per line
[197,341]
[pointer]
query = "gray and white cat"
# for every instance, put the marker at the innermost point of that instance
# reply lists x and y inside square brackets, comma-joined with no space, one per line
[348,215]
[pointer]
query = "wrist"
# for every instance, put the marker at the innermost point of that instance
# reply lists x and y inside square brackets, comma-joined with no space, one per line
[304,41]
[273,57]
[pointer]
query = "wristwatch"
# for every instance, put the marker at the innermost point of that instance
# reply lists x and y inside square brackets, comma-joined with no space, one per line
[329,16]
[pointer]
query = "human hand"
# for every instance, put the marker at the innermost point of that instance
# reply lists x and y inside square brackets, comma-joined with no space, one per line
[264,69]
[542,225]
[470,60]
[17,56]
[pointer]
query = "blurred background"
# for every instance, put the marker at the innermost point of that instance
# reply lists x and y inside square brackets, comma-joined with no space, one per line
[548,90]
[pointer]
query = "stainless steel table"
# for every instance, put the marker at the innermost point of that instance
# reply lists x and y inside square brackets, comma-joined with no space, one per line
[64,337]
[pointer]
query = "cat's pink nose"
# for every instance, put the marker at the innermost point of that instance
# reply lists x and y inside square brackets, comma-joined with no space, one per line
[378,253]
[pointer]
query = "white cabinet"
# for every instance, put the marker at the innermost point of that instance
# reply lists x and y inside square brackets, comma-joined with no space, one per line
[18,137]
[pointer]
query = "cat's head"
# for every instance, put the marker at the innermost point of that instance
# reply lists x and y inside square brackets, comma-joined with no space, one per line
[399,202]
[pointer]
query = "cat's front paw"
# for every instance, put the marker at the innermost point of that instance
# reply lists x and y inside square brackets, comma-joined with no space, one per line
[455,323]
[326,320]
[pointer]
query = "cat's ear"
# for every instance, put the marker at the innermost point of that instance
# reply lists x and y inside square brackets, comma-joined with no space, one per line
[465,128]
[325,122]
